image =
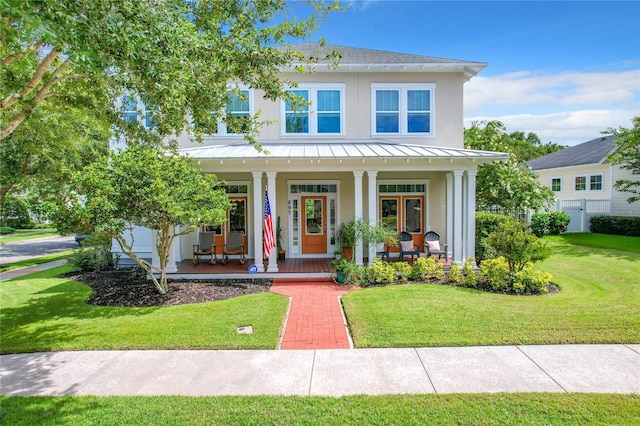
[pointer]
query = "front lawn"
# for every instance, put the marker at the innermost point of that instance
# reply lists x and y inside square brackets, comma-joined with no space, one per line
[41,312]
[28,234]
[598,303]
[486,409]
[36,261]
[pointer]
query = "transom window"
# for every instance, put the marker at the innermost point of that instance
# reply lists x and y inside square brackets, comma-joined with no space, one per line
[321,111]
[402,109]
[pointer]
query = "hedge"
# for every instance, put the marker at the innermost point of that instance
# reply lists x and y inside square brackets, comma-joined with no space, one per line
[616,225]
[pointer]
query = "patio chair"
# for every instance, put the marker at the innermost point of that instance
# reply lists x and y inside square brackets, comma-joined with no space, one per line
[206,247]
[407,246]
[234,245]
[433,246]
[384,252]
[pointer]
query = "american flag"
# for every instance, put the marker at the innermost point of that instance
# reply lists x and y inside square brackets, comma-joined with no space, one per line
[269,240]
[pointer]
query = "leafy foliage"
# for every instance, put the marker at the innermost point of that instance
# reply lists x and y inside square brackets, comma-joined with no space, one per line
[509,185]
[486,223]
[143,186]
[516,245]
[94,255]
[616,225]
[628,155]
[177,57]
[14,213]
[551,223]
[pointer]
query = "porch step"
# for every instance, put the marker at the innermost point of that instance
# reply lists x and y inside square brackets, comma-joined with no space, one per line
[302,281]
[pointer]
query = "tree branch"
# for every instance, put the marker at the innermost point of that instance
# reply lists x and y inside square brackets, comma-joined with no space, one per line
[19,55]
[35,80]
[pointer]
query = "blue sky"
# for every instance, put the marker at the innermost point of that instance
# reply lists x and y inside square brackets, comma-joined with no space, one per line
[565,70]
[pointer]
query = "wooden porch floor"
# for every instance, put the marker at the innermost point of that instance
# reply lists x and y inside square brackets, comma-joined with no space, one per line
[288,266]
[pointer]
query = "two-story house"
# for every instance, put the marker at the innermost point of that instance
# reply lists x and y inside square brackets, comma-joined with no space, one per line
[381,138]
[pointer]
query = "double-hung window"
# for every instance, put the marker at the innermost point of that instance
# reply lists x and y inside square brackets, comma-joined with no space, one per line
[589,182]
[402,109]
[130,113]
[556,184]
[238,110]
[318,110]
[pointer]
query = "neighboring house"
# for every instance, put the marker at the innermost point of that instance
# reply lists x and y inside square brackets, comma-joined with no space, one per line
[583,180]
[382,138]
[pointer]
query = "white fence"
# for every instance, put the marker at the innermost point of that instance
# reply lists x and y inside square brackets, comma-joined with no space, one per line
[580,211]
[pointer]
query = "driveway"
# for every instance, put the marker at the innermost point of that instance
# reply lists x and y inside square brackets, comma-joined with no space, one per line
[24,250]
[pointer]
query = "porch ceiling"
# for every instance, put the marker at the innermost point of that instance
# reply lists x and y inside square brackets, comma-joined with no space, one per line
[339,150]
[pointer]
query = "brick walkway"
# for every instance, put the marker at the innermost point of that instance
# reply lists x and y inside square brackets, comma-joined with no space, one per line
[315,319]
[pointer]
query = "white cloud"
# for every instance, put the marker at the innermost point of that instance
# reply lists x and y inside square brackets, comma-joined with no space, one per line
[566,108]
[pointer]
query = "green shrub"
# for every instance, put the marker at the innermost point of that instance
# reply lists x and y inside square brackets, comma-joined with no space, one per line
[496,273]
[469,277]
[455,274]
[552,223]
[426,268]
[486,223]
[530,281]
[4,230]
[516,245]
[616,225]
[403,269]
[380,273]
[14,213]
[94,255]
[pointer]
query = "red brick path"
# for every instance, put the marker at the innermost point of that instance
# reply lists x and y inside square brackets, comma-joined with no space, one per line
[315,318]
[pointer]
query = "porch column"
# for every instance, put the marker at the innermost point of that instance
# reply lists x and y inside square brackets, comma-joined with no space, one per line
[449,214]
[271,188]
[373,211]
[457,216]
[258,219]
[470,208]
[357,178]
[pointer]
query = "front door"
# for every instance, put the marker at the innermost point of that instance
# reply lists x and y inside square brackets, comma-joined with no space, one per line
[404,213]
[314,224]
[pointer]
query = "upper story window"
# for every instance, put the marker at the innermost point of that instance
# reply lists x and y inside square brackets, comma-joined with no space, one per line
[132,108]
[402,109]
[589,182]
[321,112]
[556,184]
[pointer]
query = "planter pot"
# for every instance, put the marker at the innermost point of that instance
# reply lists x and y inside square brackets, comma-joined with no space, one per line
[282,254]
[340,277]
[347,253]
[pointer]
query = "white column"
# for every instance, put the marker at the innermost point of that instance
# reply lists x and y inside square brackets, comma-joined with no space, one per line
[357,177]
[449,214]
[373,210]
[258,220]
[457,216]
[470,223]
[271,188]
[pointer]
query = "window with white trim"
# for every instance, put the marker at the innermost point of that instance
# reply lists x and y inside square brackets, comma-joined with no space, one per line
[321,112]
[589,182]
[130,113]
[402,109]
[239,107]
[556,184]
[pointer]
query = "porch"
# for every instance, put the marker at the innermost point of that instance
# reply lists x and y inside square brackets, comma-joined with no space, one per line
[289,268]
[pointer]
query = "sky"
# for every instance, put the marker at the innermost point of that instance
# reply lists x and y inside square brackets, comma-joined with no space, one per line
[565,70]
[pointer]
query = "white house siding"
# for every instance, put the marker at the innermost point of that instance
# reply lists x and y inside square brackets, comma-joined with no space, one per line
[619,199]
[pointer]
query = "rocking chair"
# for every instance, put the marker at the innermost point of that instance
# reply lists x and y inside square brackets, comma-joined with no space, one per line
[234,245]
[206,247]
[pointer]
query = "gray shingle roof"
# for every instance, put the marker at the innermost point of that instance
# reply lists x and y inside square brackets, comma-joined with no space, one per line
[592,152]
[360,56]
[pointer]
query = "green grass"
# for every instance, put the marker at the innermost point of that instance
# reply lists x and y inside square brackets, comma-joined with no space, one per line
[605,241]
[41,312]
[598,303]
[28,234]
[490,409]
[37,261]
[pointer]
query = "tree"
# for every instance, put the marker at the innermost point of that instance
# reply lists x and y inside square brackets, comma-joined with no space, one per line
[511,186]
[143,186]
[177,57]
[628,155]
[528,147]
[14,212]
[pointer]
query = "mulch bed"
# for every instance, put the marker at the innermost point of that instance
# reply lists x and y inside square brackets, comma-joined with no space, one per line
[133,289]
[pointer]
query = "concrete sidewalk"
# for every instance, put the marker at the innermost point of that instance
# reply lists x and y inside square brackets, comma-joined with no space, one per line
[14,273]
[331,372]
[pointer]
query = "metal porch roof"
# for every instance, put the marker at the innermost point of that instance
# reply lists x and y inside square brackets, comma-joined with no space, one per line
[377,149]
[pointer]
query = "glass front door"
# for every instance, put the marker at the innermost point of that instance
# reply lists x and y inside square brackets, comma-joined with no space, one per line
[314,225]
[403,213]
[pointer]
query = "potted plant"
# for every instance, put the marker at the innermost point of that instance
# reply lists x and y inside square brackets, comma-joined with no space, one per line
[347,272]
[282,253]
[350,233]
